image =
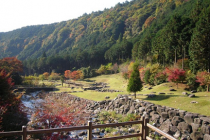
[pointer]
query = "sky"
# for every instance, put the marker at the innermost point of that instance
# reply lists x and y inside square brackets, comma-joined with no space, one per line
[15,14]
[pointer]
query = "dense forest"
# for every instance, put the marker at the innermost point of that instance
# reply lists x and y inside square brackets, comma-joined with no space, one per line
[155,31]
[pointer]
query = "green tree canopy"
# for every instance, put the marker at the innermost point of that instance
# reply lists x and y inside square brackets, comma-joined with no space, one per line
[134,83]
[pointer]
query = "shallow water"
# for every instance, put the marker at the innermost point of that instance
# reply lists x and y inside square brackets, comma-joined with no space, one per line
[32,101]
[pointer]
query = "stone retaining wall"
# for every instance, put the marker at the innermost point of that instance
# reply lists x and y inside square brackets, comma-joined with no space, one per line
[178,123]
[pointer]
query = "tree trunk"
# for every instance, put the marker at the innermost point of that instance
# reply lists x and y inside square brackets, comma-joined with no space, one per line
[182,57]
[175,58]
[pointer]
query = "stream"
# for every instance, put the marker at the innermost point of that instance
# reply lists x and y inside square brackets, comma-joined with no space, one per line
[33,101]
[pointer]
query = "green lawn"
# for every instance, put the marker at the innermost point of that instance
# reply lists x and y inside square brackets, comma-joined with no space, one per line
[175,100]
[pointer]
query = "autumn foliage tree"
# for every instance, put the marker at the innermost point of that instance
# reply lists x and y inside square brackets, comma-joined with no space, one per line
[160,77]
[46,75]
[75,75]
[115,67]
[175,75]
[11,64]
[50,115]
[204,79]
[67,74]
[54,76]
[5,83]
[9,105]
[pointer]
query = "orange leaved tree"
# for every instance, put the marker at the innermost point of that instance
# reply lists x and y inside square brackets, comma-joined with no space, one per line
[11,64]
[204,79]
[75,75]
[67,74]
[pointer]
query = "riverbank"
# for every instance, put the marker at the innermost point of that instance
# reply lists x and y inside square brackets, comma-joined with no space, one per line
[179,123]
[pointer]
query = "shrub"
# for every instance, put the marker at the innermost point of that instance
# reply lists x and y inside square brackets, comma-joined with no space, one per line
[147,76]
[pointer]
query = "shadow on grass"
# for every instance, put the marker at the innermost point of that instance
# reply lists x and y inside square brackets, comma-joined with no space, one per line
[87,80]
[164,97]
[160,97]
[56,89]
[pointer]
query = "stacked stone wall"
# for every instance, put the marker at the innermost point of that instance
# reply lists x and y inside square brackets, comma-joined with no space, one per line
[178,123]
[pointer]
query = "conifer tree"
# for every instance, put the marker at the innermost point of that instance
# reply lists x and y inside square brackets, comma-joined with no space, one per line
[199,48]
[134,83]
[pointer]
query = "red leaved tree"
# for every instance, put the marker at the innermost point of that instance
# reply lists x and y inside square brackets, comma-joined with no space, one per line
[6,84]
[59,110]
[204,79]
[175,75]
[75,75]
[67,74]
[10,105]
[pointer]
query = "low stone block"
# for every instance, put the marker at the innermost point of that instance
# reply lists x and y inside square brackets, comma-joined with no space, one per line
[182,126]
[206,137]
[191,95]
[196,136]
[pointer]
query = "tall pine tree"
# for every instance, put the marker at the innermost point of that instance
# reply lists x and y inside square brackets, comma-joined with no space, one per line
[135,83]
[199,49]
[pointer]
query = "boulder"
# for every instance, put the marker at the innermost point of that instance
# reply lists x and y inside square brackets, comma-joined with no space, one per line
[193,91]
[197,121]
[154,108]
[148,111]
[176,120]
[126,109]
[149,88]
[131,110]
[160,110]
[206,137]
[164,115]
[182,126]
[149,106]
[137,106]
[205,120]
[196,127]
[141,109]
[152,113]
[184,93]
[189,118]
[155,117]
[165,126]
[150,95]
[177,134]
[193,102]
[172,113]
[196,136]
[182,113]
[191,95]
[161,120]
[173,130]
[82,133]
[131,130]
[205,129]
[107,97]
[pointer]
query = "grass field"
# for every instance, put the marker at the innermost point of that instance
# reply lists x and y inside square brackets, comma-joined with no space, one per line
[175,100]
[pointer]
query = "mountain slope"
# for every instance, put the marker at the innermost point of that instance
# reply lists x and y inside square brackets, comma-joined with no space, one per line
[131,29]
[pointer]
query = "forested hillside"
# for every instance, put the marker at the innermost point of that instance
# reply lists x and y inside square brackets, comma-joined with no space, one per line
[162,31]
